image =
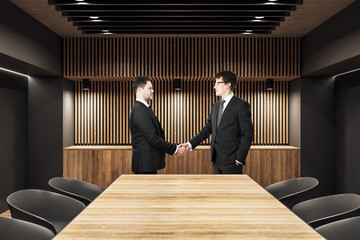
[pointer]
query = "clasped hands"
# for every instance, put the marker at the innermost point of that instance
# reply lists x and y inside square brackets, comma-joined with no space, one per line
[183,149]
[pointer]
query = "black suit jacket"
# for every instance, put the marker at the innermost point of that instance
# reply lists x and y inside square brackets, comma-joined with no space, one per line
[234,135]
[148,144]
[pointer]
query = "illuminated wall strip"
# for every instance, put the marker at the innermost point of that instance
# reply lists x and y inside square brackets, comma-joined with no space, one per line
[102,114]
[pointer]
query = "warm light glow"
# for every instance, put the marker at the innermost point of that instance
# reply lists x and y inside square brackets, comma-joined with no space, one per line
[7,70]
[340,74]
[259,17]
[94,17]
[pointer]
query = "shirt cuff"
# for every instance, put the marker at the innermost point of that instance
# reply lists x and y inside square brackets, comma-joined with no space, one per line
[188,143]
[177,148]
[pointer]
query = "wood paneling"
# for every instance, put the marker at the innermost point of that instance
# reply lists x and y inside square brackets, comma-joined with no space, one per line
[102,114]
[101,165]
[124,58]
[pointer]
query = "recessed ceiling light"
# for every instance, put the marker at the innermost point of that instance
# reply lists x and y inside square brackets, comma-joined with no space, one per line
[259,17]
[248,30]
[107,33]
[105,30]
[256,20]
[79,0]
[272,0]
[247,33]
[94,17]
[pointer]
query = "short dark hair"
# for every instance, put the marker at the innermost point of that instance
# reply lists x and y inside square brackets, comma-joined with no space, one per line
[140,81]
[228,77]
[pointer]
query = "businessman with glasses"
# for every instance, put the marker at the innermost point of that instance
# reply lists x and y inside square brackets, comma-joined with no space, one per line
[230,125]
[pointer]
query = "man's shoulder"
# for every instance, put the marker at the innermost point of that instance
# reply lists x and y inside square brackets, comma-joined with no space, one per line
[240,102]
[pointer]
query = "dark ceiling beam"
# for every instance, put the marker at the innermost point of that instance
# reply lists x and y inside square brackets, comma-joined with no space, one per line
[175,24]
[177,14]
[171,8]
[177,32]
[173,2]
[237,19]
[180,28]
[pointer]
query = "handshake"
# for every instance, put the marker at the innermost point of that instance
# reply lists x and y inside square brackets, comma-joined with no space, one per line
[183,149]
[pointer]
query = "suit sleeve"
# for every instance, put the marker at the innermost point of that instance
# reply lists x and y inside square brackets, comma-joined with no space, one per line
[203,134]
[247,132]
[146,126]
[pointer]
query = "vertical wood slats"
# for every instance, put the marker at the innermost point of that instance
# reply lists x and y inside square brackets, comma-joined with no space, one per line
[123,58]
[102,114]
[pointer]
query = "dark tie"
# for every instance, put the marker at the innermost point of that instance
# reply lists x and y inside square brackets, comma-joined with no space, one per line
[220,113]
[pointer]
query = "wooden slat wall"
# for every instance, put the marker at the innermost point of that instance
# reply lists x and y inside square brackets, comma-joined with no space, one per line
[124,58]
[102,165]
[102,114]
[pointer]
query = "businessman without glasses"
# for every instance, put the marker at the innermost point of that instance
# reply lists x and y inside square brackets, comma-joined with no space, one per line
[147,136]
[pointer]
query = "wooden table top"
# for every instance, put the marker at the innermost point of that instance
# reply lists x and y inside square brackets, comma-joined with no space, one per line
[186,207]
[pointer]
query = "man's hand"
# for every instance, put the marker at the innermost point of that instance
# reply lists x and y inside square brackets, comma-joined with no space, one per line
[182,150]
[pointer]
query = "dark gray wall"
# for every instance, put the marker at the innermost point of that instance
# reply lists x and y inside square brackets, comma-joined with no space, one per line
[13,134]
[26,45]
[318,132]
[348,132]
[29,47]
[45,130]
[333,47]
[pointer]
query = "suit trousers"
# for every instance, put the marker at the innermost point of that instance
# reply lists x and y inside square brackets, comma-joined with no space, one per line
[225,169]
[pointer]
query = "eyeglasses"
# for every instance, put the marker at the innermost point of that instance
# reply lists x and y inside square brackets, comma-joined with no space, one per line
[216,83]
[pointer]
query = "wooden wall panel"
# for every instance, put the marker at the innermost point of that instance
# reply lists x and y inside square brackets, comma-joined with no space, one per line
[124,58]
[102,165]
[102,114]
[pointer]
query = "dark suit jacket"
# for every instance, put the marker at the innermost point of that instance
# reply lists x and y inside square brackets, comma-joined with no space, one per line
[235,133]
[148,142]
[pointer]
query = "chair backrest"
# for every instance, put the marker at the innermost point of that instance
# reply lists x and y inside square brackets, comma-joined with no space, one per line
[82,191]
[348,229]
[293,191]
[51,210]
[13,229]
[319,211]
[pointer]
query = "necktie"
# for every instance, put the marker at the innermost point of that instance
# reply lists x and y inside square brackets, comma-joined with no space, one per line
[221,109]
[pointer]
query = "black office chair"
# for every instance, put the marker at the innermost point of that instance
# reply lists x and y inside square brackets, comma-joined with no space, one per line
[82,191]
[348,229]
[293,191]
[51,210]
[14,229]
[319,211]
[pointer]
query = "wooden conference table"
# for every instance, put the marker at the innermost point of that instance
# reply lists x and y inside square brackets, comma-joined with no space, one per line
[186,207]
